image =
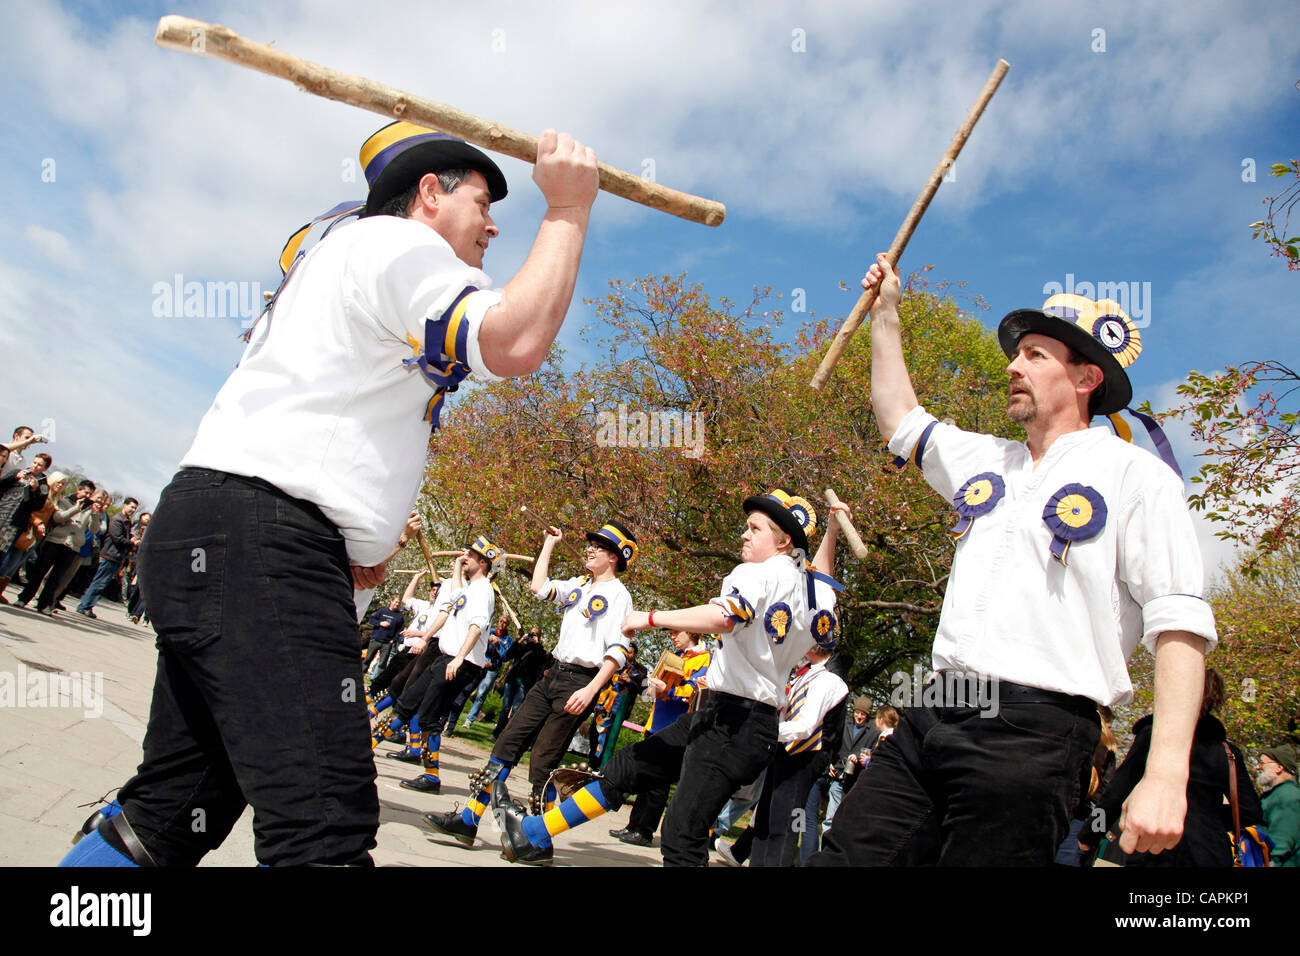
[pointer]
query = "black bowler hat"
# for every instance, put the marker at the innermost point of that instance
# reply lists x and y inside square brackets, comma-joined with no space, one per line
[792,514]
[397,156]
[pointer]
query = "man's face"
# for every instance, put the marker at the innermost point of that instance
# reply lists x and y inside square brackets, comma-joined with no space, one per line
[683,640]
[535,634]
[475,566]
[394,604]
[600,560]
[22,434]
[859,718]
[1268,772]
[463,217]
[38,467]
[128,509]
[762,538]
[1043,382]
[84,492]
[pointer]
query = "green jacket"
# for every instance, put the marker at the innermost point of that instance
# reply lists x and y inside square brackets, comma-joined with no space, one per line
[1282,821]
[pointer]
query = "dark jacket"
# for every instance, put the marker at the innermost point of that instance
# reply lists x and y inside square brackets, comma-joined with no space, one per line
[1209,818]
[856,740]
[527,660]
[386,635]
[118,543]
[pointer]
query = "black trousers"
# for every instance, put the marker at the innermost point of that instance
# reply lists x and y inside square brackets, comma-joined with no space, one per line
[955,788]
[251,596]
[52,564]
[709,754]
[431,695]
[542,720]
[778,821]
[386,678]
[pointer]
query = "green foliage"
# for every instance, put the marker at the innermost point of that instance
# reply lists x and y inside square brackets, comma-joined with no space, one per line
[1280,207]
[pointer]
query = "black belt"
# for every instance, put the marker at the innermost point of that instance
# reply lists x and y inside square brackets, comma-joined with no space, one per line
[962,691]
[577,669]
[719,698]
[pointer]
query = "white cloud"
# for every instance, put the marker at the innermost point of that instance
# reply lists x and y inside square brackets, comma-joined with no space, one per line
[54,246]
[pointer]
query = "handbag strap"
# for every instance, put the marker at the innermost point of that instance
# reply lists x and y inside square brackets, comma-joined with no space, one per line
[1236,808]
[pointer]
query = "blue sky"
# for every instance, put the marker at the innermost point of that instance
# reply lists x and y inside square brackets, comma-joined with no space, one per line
[1114,156]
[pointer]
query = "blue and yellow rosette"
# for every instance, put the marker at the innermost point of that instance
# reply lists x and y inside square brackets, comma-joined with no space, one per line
[571,598]
[977,497]
[597,606]
[777,622]
[460,603]
[1075,513]
[823,629]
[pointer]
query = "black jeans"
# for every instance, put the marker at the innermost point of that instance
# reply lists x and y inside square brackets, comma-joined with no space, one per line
[777,821]
[258,697]
[51,565]
[431,695]
[709,754]
[542,722]
[958,789]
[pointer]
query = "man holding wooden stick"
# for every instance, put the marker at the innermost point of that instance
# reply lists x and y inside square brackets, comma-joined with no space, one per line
[1072,548]
[283,505]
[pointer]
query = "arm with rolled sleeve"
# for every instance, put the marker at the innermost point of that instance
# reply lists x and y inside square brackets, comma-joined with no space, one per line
[1160,563]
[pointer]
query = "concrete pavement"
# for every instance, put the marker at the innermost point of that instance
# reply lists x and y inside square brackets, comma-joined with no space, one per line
[74,699]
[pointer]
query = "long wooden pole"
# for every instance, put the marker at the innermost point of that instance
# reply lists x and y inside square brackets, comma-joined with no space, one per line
[841,340]
[222,43]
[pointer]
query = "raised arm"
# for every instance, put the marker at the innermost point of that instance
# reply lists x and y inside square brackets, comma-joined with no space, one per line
[824,559]
[412,585]
[517,332]
[892,396]
[542,566]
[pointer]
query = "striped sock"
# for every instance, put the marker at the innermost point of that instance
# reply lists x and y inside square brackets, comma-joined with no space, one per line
[478,802]
[414,740]
[587,804]
[429,755]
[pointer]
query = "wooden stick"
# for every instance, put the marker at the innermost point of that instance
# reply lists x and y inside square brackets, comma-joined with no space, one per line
[841,340]
[428,555]
[546,525]
[850,533]
[222,43]
[510,611]
[509,557]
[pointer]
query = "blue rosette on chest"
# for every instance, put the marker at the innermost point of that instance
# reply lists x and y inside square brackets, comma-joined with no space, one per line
[1074,513]
[460,603]
[823,629]
[597,606]
[977,497]
[572,598]
[777,622]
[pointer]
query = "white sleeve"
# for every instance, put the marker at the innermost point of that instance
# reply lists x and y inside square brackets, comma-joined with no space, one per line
[479,606]
[743,591]
[558,592]
[616,645]
[946,455]
[423,294]
[1160,562]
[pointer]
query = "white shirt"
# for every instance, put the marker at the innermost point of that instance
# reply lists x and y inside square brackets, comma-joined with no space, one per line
[474,604]
[749,662]
[1013,611]
[590,631]
[421,615]
[811,695]
[321,405]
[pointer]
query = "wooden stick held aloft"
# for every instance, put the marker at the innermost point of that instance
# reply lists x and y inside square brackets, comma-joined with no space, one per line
[850,533]
[841,340]
[222,43]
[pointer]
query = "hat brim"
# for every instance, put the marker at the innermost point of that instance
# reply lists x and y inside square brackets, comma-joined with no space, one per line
[784,520]
[1116,390]
[433,156]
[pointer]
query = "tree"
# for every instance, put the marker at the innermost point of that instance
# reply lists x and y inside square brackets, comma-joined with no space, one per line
[619,439]
[1247,418]
[1280,206]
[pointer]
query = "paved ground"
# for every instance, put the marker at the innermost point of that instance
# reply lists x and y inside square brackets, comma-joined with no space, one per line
[61,751]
